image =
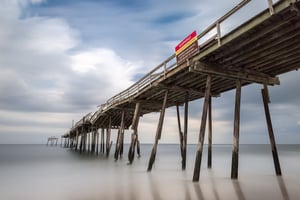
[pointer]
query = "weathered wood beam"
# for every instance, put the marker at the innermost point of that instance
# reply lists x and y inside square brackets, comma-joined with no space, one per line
[158,132]
[102,141]
[185,130]
[183,89]
[134,135]
[236,132]
[108,133]
[253,76]
[261,38]
[265,97]
[179,131]
[209,134]
[77,132]
[202,130]
[245,28]
[120,138]
[97,140]
[267,47]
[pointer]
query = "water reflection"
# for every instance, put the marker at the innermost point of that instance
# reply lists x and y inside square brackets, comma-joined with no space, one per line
[212,179]
[238,190]
[187,193]
[198,191]
[283,189]
[154,190]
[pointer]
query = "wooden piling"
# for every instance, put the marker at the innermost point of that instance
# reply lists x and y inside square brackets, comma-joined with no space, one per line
[93,140]
[102,141]
[202,130]
[180,133]
[209,156]
[134,135]
[185,129]
[97,141]
[84,141]
[158,132]
[108,143]
[120,137]
[76,143]
[81,143]
[236,132]
[265,98]
[138,148]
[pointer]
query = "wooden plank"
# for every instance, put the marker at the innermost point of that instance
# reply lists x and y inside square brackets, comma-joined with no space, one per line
[263,47]
[260,18]
[259,37]
[236,132]
[202,130]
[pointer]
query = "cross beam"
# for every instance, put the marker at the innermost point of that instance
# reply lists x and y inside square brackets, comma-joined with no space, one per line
[246,75]
[183,89]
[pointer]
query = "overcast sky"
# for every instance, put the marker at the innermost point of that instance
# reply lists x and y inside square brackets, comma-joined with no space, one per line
[59,59]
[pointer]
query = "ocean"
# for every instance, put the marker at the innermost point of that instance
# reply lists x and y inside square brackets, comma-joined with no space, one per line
[40,172]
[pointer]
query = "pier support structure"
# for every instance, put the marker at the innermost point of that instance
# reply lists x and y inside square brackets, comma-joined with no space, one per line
[183,134]
[108,142]
[266,100]
[158,132]
[236,132]
[120,139]
[52,140]
[134,135]
[102,141]
[209,151]
[202,130]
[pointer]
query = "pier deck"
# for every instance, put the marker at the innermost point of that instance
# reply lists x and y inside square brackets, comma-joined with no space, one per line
[257,51]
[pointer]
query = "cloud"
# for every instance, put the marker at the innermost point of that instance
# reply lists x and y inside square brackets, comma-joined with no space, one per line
[60,59]
[44,71]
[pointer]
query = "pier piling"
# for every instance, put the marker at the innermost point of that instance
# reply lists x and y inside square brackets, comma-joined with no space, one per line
[236,132]
[265,98]
[202,130]
[158,132]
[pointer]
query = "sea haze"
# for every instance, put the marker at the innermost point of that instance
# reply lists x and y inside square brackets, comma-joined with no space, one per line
[36,172]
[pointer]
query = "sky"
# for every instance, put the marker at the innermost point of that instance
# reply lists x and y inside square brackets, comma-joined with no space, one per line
[60,59]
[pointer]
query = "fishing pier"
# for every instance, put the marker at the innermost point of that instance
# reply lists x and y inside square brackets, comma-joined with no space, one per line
[257,51]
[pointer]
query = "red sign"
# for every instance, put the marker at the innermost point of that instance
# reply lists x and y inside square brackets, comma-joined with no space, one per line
[187,47]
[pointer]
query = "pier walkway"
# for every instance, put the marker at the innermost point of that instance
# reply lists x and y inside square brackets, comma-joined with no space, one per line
[257,51]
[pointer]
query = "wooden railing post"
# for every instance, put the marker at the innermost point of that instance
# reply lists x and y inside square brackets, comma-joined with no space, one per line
[271,8]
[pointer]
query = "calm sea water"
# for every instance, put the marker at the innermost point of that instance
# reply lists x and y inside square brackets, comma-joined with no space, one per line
[38,172]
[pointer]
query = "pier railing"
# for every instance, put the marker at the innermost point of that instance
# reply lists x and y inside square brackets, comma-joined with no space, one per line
[170,63]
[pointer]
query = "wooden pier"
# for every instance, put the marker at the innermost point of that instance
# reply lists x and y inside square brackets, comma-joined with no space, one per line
[52,141]
[257,51]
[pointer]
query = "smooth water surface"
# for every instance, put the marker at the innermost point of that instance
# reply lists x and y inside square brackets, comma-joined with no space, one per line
[38,172]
